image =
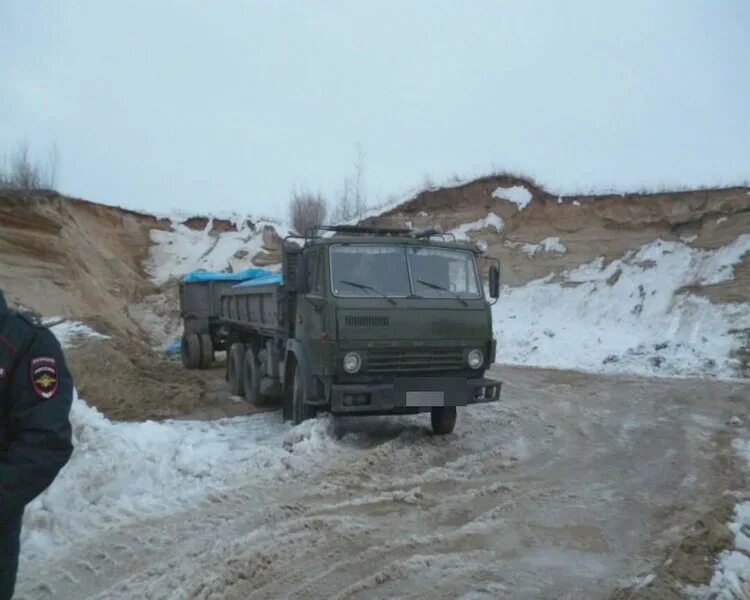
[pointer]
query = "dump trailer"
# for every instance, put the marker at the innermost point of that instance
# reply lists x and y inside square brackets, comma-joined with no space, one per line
[200,300]
[365,321]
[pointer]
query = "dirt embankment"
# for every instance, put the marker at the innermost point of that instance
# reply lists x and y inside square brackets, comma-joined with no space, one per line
[589,226]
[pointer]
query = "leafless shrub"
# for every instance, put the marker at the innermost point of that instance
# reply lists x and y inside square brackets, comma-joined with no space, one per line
[20,172]
[307,211]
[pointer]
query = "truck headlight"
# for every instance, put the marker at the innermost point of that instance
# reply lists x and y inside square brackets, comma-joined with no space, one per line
[475,359]
[352,362]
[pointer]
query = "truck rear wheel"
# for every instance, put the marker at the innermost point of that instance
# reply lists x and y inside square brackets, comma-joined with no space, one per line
[207,351]
[235,363]
[190,350]
[300,410]
[443,419]
[251,379]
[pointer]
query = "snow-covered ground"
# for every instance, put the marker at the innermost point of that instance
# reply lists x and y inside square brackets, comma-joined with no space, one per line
[519,502]
[182,249]
[631,315]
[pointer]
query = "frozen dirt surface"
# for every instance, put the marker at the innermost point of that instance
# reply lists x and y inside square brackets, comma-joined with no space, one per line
[573,486]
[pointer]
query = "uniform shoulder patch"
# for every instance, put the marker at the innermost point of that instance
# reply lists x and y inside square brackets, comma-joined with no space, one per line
[44,378]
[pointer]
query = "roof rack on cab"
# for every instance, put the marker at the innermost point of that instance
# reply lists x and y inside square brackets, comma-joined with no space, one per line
[384,231]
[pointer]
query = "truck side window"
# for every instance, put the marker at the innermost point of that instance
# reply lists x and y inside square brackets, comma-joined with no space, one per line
[315,272]
[319,275]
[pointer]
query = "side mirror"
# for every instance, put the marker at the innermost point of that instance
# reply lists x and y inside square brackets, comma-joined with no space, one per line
[301,276]
[494,281]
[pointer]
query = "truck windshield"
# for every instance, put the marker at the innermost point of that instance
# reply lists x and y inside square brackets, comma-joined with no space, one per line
[401,271]
[369,270]
[441,273]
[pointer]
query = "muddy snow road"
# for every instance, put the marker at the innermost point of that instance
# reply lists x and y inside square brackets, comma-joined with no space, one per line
[573,486]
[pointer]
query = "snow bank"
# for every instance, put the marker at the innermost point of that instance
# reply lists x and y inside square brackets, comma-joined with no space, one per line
[550,244]
[490,221]
[631,315]
[122,473]
[518,194]
[731,579]
[182,250]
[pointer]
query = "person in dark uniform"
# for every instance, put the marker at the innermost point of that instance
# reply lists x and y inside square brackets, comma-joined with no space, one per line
[36,392]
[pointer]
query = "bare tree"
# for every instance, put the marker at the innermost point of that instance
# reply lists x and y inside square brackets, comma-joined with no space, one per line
[22,173]
[307,211]
[352,202]
[344,208]
[359,197]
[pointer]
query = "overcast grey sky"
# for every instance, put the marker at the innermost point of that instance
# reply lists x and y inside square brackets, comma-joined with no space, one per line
[228,105]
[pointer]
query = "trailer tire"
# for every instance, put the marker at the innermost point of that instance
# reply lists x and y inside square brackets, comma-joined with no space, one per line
[251,379]
[207,351]
[300,411]
[235,364]
[443,419]
[190,350]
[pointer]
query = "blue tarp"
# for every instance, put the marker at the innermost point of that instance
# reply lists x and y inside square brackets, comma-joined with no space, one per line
[198,276]
[174,348]
[270,278]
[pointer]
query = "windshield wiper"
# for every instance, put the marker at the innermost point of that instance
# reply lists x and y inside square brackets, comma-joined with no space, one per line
[368,288]
[435,286]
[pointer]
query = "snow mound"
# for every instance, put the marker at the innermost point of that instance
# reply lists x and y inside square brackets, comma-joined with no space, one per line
[518,194]
[631,315]
[552,245]
[490,221]
[123,472]
[183,250]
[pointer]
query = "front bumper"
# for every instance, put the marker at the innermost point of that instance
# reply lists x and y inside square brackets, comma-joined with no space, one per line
[412,394]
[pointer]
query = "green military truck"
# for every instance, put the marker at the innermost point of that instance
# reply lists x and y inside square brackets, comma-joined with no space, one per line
[365,321]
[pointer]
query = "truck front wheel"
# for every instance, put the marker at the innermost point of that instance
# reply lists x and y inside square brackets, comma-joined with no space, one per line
[300,410]
[443,419]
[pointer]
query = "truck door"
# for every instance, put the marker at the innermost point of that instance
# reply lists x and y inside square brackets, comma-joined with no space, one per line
[311,314]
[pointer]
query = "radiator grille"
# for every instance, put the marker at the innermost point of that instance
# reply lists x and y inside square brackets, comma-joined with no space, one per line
[365,321]
[422,360]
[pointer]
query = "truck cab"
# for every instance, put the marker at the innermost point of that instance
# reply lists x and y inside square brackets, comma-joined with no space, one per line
[386,321]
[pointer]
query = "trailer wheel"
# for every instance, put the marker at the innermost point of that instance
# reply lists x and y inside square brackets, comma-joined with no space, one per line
[251,379]
[443,419]
[300,411]
[207,351]
[190,350]
[235,363]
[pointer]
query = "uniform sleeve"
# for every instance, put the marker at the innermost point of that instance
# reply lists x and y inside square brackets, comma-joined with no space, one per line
[39,440]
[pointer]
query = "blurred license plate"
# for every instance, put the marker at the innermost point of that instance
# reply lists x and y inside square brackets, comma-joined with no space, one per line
[425,398]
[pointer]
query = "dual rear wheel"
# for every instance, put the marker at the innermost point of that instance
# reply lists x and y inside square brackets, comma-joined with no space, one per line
[197,351]
[244,373]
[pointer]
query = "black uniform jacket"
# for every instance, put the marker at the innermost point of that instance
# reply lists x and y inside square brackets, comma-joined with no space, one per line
[36,392]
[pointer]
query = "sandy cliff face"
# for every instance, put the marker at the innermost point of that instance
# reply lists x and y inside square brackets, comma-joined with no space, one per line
[587,226]
[88,262]
[85,261]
